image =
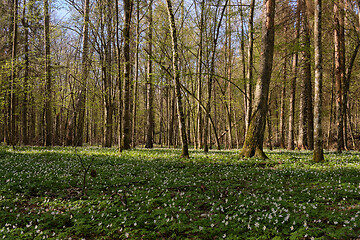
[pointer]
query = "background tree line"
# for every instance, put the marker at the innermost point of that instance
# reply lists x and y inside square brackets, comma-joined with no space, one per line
[119,72]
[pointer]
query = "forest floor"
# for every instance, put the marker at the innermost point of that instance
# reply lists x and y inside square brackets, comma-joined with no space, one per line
[96,193]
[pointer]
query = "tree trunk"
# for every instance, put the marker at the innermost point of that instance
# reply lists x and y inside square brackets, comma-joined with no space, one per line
[81,100]
[199,124]
[318,154]
[306,126]
[12,138]
[126,140]
[282,103]
[176,76]
[25,110]
[108,134]
[253,145]
[229,72]
[291,136]
[339,71]
[136,74]
[210,81]
[249,75]
[149,83]
[48,80]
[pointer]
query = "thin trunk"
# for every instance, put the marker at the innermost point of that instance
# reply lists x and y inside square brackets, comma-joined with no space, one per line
[199,124]
[254,139]
[136,73]
[282,104]
[176,76]
[291,136]
[108,124]
[347,80]
[210,82]
[48,80]
[229,71]
[12,118]
[339,71]
[119,79]
[149,82]
[80,105]
[318,154]
[26,80]
[249,74]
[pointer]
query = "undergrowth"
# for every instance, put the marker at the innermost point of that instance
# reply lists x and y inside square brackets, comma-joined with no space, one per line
[155,194]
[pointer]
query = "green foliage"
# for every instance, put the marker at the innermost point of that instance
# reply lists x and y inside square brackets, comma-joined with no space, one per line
[155,194]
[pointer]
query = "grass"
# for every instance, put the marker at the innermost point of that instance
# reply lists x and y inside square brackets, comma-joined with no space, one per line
[154,194]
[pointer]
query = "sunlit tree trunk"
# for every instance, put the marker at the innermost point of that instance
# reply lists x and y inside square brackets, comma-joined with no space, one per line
[318,154]
[199,119]
[249,74]
[253,145]
[126,139]
[136,75]
[176,76]
[149,82]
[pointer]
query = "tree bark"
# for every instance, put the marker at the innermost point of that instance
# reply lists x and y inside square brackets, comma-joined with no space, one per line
[12,107]
[210,82]
[249,74]
[176,77]
[149,83]
[48,81]
[25,104]
[81,99]
[282,103]
[305,138]
[253,145]
[318,154]
[199,119]
[291,136]
[108,134]
[136,74]
[339,71]
[126,139]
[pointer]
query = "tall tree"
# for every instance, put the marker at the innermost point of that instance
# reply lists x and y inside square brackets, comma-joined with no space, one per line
[318,154]
[107,74]
[291,135]
[253,145]
[305,138]
[199,140]
[176,77]
[249,74]
[26,78]
[211,79]
[126,139]
[81,99]
[149,82]
[48,79]
[12,119]
[339,69]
